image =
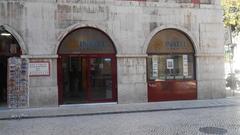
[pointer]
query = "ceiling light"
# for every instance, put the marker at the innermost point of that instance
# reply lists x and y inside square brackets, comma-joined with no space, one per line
[5,34]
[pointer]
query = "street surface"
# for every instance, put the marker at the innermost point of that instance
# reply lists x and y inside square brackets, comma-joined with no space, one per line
[232,93]
[174,122]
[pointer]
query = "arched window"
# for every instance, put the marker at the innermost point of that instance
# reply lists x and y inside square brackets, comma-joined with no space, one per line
[170,56]
[87,41]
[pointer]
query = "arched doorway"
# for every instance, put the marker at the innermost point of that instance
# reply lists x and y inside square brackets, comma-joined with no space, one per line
[171,67]
[86,67]
[9,47]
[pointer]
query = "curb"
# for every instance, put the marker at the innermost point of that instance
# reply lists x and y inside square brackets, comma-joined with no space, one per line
[22,117]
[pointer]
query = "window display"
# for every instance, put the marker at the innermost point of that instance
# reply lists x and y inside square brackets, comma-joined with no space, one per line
[170,56]
[169,67]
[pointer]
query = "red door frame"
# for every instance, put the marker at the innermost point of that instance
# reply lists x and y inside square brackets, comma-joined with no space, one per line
[88,57]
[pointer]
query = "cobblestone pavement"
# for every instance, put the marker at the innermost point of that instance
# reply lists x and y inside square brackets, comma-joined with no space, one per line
[175,122]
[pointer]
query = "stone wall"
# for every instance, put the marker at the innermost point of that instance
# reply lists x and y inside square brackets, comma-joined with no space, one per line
[42,24]
[43,89]
[132,86]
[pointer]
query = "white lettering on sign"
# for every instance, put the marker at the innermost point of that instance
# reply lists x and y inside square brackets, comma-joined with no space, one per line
[39,69]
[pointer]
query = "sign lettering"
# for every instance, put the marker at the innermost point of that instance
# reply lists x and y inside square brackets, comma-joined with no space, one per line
[92,45]
[175,44]
[39,69]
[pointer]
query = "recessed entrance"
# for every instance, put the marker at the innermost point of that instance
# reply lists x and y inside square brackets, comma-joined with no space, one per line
[8,48]
[86,68]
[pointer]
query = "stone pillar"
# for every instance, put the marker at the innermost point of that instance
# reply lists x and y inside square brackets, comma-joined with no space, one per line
[210,77]
[210,62]
[132,85]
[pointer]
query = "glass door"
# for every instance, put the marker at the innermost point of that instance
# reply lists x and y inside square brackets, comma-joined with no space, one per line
[74,80]
[87,79]
[100,78]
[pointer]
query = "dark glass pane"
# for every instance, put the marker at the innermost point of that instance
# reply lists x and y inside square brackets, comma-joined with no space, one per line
[170,41]
[87,41]
[101,78]
[8,44]
[74,80]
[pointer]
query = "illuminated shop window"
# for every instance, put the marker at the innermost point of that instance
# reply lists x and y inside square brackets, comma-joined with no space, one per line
[169,67]
[170,56]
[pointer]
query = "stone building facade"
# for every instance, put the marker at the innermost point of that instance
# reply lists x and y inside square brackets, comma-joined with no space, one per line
[41,26]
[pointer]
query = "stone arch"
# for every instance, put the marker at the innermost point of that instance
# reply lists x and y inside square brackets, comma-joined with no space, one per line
[17,37]
[90,25]
[163,27]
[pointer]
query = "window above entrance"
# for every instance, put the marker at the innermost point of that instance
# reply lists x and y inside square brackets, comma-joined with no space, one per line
[170,67]
[87,41]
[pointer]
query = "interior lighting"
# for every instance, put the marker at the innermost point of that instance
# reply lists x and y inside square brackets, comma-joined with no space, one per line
[5,34]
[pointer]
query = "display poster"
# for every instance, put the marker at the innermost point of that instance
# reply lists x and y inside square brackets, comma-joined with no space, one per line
[39,69]
[170,64]
[185,65]
[154,66]
[17,83]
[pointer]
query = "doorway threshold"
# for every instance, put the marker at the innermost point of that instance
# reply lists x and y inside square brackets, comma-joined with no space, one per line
[88,104]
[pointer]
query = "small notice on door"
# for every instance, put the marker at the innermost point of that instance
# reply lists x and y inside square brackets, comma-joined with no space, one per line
[39,69]
[155,67]
[185,65]
[170,64]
